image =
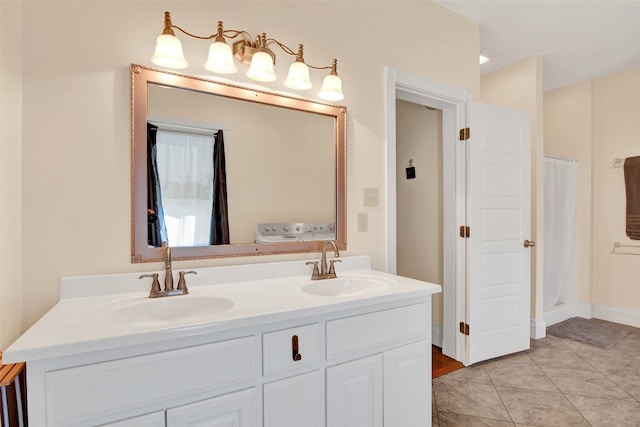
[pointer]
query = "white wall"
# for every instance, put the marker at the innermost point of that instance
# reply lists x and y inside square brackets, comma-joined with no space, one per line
[519,86]
[10,171]
[419,200]
[76,160]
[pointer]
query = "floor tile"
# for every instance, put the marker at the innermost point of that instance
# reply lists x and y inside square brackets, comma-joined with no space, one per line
[520,375]
[540,408]
[560,356]
[629,345]
[479,400]
[610,361]
[456,420]
[471,374]
[558,382]
[585,383]
[629,382]
[607,412]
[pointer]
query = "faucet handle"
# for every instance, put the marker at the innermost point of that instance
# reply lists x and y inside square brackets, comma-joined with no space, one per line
[332,268]
[316,272]
[155,285]
[182,283]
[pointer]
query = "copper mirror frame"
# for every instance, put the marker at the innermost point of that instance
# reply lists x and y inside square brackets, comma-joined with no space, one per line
[141,76]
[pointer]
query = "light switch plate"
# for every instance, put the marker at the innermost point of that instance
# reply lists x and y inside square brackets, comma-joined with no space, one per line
[370,196]
[363,221]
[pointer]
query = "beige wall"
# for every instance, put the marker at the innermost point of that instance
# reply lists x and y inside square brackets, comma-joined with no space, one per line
[595,122]
[419,200]
[616,124]
[519,86]
[75,158]
[568,133]
[10,171]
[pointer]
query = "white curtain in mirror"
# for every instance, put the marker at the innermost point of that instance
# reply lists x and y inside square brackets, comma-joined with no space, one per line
[560,219]
[185,168]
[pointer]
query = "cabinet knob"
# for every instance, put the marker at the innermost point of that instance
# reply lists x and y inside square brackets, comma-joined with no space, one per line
[294,348]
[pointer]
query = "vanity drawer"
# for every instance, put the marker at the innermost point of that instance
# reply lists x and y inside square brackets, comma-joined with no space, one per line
[279,353]
[377,331]
[77,395]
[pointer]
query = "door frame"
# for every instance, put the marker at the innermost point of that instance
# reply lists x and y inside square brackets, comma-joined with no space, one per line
[408,87]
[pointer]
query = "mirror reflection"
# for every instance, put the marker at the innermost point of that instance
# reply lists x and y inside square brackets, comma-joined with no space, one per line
[225,167]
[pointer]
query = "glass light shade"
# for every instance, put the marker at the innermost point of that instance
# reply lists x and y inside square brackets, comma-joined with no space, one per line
[298,77]
[169,52]
[331,88]
[261,68]
[220,59]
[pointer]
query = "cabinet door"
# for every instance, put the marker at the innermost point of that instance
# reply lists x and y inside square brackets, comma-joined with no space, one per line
[230,410]
[295,402]
[354,393]
[407,386]
[155,419]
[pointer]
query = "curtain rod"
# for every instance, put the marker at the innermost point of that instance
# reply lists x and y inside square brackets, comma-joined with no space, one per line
[554,157]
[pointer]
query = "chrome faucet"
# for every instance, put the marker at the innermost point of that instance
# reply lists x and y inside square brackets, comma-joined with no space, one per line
[325,273]
[168,291]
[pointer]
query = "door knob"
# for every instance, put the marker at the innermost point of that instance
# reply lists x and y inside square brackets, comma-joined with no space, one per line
[529,243]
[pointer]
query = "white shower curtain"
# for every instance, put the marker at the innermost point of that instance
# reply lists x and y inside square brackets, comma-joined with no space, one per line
[560,218]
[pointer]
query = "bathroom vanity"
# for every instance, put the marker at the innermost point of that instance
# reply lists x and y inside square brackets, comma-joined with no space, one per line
[252,345]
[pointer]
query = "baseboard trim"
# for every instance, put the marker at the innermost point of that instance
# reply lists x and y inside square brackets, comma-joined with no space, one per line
[538,328]
[625,316]
[436,335]
[560,313]
[585,310]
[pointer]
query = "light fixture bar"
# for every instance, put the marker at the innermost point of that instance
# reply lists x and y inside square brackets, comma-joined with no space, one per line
[168,53]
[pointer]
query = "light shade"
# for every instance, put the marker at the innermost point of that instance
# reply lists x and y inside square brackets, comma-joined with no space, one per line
[220,59]
[169,52]
[298,77]
[331,88]
[261,68]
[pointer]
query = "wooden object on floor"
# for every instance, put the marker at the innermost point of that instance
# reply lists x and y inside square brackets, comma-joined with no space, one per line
[442,364]
[12,409]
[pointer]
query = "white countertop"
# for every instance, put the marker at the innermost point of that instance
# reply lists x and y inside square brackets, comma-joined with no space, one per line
[88,318]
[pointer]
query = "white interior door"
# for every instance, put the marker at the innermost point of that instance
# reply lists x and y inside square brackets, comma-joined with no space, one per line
[499,216]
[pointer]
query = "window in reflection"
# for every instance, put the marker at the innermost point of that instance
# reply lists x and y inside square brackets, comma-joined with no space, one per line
[185,169]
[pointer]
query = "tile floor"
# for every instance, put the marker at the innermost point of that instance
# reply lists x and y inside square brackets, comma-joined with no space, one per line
[557,382]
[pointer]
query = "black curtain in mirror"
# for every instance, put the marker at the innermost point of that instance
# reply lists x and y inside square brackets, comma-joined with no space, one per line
[157,233]
[220,211]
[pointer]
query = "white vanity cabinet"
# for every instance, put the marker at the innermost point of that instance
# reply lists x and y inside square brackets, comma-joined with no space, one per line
[278,357]
[365,367]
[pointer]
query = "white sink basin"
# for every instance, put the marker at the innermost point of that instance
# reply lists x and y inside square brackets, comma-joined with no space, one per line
[166,310]
[347,286]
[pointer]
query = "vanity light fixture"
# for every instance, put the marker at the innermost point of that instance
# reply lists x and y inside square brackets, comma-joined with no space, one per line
[256,53]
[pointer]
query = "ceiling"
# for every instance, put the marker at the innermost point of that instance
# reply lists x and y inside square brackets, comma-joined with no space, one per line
[577,39]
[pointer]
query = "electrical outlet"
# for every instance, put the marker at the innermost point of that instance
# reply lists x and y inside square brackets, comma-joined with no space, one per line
[370,196]
[363,221]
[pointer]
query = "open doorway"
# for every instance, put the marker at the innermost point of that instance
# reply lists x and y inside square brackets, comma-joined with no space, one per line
[447,105]
[419,200]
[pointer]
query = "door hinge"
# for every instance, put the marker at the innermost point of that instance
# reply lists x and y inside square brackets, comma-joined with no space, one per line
[465,231]
[465,134]
[464,328]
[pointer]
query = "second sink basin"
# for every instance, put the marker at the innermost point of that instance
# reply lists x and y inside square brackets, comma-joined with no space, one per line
[347,286]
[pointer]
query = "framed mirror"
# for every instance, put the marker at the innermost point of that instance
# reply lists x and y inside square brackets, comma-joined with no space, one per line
[215,165]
